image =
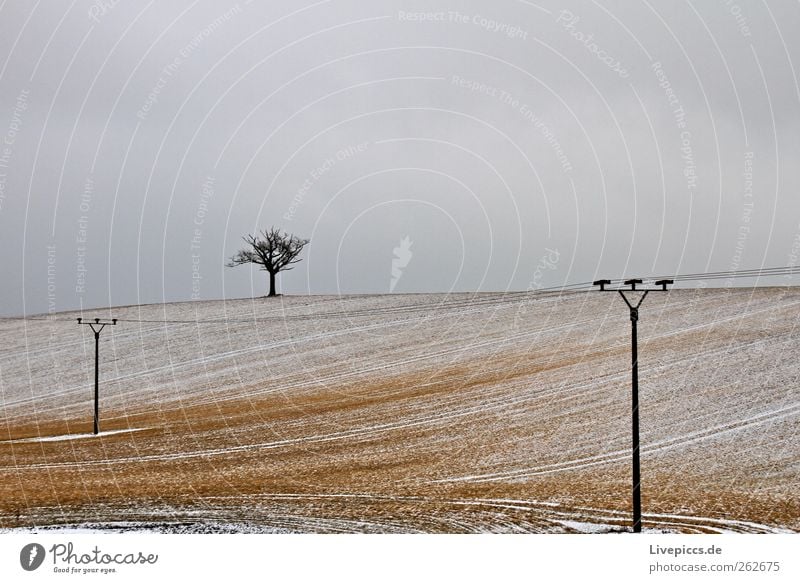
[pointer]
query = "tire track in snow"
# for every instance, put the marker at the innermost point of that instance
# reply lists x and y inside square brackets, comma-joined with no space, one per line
[624,455]
[477,408]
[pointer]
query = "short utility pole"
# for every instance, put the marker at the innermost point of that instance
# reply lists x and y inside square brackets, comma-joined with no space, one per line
[634,309]
[97,327]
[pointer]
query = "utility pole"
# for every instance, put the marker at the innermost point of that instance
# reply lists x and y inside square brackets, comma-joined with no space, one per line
[97,327]
[634,305]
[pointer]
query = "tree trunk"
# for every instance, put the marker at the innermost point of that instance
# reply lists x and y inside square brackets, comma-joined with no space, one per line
[272,284]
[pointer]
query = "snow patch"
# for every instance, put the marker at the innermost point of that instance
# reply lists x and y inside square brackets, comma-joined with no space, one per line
[71,437]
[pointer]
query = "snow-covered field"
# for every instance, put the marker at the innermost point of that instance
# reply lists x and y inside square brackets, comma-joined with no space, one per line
[407,413]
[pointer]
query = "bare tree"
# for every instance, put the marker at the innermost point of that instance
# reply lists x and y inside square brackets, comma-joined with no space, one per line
[273,250]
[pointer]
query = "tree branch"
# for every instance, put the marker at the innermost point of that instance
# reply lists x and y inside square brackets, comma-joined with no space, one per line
[273,249]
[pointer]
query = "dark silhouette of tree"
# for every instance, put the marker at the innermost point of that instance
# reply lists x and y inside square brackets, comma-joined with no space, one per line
[273,250]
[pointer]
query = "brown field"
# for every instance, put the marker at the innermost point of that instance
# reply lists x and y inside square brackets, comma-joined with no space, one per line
[407,413]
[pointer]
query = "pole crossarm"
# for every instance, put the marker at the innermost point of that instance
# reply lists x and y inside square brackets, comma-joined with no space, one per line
[97,322]
[634,311]
[97,327]
[632,285]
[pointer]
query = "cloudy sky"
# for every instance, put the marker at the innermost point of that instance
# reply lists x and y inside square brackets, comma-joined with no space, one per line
[470,145]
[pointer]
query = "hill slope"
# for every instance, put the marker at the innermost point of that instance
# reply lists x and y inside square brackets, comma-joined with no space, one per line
[434,413]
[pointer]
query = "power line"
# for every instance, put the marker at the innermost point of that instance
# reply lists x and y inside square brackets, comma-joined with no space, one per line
[504,298]
[747,273]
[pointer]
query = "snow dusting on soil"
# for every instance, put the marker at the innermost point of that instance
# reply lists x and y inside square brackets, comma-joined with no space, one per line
[406,413]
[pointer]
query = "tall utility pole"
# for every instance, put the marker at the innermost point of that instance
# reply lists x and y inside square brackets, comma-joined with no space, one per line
[97,327]
[634,305]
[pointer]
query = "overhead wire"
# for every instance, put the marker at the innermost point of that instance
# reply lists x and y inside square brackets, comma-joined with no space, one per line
[484,299]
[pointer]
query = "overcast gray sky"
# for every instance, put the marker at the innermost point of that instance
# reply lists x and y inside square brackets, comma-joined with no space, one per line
[512,145]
